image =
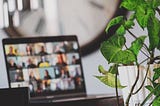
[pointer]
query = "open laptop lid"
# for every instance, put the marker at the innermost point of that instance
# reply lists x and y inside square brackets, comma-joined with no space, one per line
[49,66]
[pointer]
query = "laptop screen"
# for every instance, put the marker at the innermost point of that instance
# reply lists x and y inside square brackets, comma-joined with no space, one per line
[47,65]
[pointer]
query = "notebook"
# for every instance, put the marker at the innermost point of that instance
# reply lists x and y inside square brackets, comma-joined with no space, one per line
[49,66]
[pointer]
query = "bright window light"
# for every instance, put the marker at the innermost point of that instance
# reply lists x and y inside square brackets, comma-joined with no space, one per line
[20,4]
[16,20]
[11,5]
[6,19]
[1,14]
[34,4]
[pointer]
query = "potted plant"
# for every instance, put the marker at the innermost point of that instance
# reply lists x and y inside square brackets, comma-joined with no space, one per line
[119,54]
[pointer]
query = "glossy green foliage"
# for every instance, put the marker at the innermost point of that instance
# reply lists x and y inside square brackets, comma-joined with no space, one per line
[117,52]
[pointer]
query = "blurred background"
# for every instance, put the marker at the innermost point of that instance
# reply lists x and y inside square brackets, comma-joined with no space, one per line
[85,18]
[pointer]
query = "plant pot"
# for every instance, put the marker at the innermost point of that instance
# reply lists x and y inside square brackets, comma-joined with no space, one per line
[127,76]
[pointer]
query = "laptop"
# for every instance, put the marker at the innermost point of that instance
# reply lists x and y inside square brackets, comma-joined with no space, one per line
[49,66]
[14,96]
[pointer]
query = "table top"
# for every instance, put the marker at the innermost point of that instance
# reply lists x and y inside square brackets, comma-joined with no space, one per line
[89,100]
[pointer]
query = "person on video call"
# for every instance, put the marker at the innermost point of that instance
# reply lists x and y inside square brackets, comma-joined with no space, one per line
[60,64]
[29,50]
[46,78]
[31,64]
[42,51]
[11,64]
[11,51]
[19,75]
[64,73]
[43,62]
[60,60]
[33,82]
[77,79]
[75,60]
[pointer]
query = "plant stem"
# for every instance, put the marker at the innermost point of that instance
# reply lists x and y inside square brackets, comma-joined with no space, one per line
[143,81]
[144,61]
[117,90]
[154,100]
[125,46]
[130,94]
[152,59]
[132,34]
[144,53]
[157,58]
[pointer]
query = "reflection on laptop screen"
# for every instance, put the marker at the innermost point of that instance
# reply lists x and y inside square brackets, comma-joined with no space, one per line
[47,65]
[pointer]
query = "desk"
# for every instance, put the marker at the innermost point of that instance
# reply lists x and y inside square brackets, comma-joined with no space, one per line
[19,97]
[102,101]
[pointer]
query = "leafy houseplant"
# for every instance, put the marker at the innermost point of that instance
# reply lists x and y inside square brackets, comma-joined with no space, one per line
[118,53]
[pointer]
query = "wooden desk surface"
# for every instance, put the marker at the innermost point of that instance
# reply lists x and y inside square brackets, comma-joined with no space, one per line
[101,101]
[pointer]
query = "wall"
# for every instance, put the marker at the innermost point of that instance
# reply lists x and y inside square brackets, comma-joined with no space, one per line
[90,64]
[3,74]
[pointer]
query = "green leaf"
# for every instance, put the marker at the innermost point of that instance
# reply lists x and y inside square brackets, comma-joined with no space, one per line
[150,94]
[157,93]
[149,87]
[123,57]
[157,87]
[137,45]
[158,44]
[113,69]
[155,3]
[117,41]
[112,51]
[129,4]
[115,21]
[102,70]
[121,30]
[109,80]
[152,82]
[129,24]
[153,32]
[156,102]
[156,74]
[132,17]
[143,14]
